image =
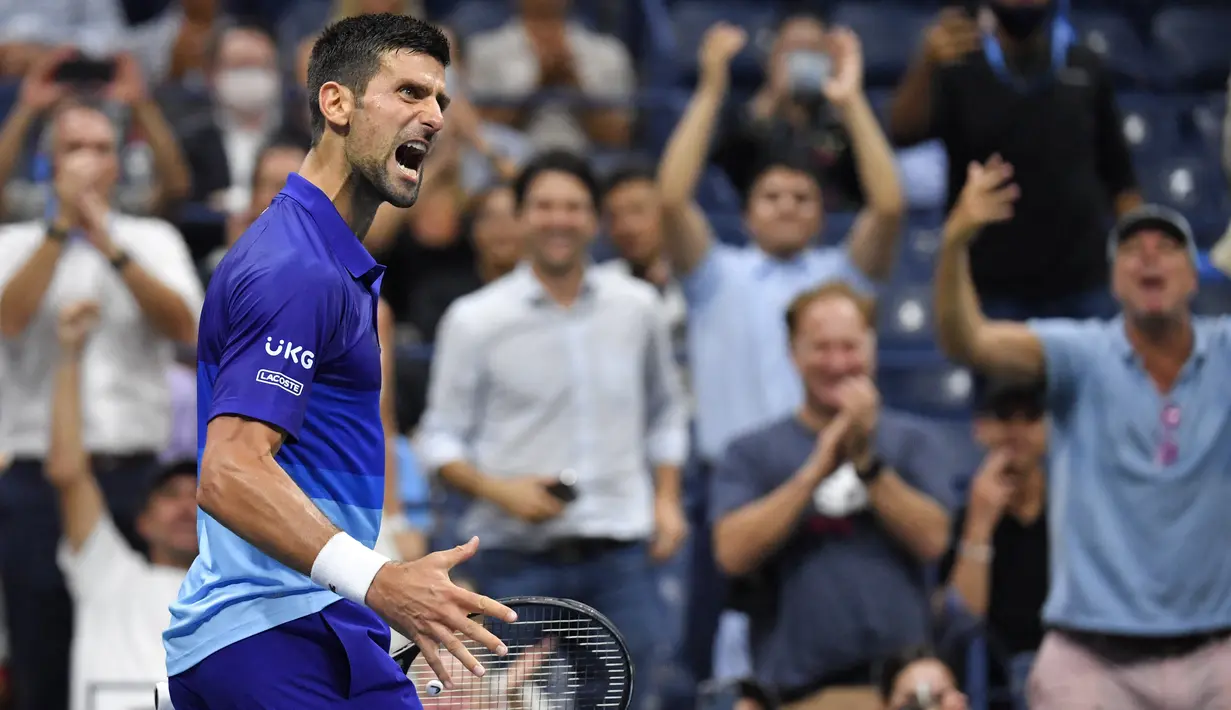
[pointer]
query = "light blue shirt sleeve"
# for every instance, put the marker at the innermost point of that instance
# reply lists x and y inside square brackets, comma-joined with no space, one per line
[706,278]
[1068,348]
[451,417]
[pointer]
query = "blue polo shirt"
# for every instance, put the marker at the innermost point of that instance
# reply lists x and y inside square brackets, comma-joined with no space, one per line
[287,337]
[1139,483]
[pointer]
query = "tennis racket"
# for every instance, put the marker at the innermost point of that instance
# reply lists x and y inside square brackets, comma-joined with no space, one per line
[563,655]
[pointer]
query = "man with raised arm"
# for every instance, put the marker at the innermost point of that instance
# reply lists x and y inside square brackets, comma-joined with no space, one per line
[1138,612]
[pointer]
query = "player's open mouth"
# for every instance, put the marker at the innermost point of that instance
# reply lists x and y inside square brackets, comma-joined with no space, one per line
[409,157]
[1153,283]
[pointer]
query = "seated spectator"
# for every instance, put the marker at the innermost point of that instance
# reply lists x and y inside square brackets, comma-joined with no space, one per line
[996,568]
[918,680]
[1030,92]
[140,273]
[245,109]
[829,516]
[153,174]
[543,50]
[120,599]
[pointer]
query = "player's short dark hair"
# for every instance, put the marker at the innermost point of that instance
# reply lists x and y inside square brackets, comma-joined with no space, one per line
[777,160]
[350,50]
[632,171]
[557,161]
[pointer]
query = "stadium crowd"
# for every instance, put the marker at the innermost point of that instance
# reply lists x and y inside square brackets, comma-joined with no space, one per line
[857,332]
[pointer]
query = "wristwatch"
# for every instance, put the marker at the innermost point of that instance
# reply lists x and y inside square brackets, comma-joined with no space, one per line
[56,232]
[872,471]
[120,260]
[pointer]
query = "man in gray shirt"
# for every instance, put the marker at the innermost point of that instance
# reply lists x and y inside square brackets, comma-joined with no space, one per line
[829,515]
[559,366]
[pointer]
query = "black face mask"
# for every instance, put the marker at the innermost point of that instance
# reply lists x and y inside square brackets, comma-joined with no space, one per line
[1021,21]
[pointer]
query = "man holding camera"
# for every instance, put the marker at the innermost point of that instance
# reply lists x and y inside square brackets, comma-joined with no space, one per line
[154,174]
[140,273]
[562,366]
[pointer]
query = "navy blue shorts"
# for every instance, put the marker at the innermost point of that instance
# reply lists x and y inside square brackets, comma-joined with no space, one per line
[333,659]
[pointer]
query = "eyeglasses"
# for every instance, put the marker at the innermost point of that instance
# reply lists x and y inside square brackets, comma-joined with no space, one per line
[1169,448]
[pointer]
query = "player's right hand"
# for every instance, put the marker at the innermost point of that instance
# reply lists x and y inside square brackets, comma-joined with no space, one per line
[420,601]
[526,498]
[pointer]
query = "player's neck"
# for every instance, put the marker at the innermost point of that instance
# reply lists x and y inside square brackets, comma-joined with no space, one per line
[344,187]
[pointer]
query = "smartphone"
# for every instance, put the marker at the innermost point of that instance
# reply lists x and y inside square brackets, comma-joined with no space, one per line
[807,72]
[84,70]
[565,487]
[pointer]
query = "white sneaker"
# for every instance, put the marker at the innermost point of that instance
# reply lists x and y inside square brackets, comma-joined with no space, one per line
[162,696]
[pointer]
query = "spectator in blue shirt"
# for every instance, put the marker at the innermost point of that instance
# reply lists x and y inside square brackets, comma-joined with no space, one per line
[828,516]
[1138,612]
[742,375]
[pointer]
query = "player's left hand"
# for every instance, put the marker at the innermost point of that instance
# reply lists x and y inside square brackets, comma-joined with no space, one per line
[670,528]
[420,601]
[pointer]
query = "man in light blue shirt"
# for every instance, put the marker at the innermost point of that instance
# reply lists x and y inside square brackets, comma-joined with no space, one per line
[737,297]
[1139,609]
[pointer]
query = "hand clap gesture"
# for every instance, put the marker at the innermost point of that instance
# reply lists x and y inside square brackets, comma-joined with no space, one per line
[719,46]
[987,197]
[76,322]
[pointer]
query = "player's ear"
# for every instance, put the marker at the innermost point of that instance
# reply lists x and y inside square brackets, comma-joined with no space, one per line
[337,103]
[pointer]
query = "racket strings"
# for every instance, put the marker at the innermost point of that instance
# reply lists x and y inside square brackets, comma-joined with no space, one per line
[558,659]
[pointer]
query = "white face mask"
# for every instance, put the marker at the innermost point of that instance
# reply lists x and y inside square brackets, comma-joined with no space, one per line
[249,90]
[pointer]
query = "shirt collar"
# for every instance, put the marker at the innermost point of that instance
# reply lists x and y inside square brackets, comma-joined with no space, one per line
[533,287]
[766,263]
[1201,341]
[338,234]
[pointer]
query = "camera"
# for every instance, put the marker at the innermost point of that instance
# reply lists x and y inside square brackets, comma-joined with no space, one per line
[807,72]
[81,69]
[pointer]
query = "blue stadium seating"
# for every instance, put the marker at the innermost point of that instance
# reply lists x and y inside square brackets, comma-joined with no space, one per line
[471,17]
[904,318]
[1190,184]
[917,254]
[836,226]
[1204,118]
[691,19]
[1151,126]
[729,228]
[1194,41]
[889,32]
[936,389]
[1113,37]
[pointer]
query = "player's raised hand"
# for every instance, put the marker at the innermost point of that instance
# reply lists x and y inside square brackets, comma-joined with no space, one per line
[420,601]
[719,46]
[987,197]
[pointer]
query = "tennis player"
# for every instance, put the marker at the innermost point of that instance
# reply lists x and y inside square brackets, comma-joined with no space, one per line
[284,606]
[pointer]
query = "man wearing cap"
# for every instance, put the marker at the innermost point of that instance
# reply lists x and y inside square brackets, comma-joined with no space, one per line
[1139,610]
[996,567]
[120,598]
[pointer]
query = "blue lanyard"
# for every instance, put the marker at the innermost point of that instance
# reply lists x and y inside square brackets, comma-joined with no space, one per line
[1062,37]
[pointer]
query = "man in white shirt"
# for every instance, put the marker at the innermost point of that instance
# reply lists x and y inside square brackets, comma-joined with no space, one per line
[140,273]
[120,599]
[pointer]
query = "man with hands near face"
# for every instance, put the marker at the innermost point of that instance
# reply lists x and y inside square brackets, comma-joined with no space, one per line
[835,510]
[140,273]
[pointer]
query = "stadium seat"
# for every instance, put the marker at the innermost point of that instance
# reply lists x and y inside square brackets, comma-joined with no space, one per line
[917,255]
[904,317]
[935,389]
[836,226]
[1213,298]
[1113,38]
[1194,42]
[691,19]
[1204,120]
[1150,124]
[715,193]
[729,228]
[1190,184]
[889,33]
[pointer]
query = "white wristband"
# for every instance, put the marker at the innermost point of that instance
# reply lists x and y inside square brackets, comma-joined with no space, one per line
[347,567]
